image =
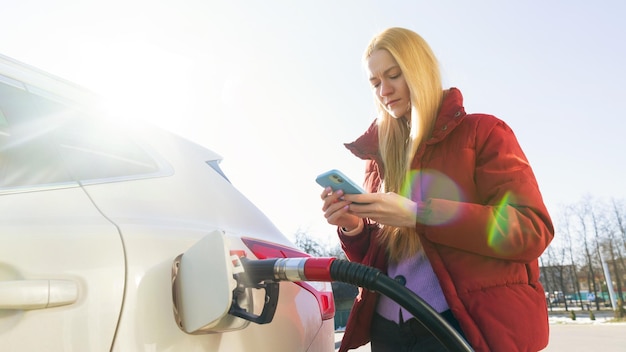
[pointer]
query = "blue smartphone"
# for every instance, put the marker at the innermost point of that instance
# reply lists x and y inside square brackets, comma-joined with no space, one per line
[336,180]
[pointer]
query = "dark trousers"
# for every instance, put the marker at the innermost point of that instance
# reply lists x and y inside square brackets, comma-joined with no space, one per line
[408,336]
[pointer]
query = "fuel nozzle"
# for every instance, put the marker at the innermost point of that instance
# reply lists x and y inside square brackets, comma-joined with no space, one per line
[288,269]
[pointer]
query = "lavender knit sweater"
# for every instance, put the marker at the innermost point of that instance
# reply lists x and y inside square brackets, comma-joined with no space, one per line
[420,279]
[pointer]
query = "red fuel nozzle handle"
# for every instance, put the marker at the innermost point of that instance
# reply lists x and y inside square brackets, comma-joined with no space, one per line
[288,269]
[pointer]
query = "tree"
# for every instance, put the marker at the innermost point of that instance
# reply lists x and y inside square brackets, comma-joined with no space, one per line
[337,252]
[620,216]
[597,239]
[309,245]
[567,237]
[586,232]
[581,214]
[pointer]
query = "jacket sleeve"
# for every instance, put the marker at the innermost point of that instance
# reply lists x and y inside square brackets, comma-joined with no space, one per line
[357,246]
[510,221]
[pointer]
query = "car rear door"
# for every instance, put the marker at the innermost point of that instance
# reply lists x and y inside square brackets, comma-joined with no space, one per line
[62,264]
[61,273]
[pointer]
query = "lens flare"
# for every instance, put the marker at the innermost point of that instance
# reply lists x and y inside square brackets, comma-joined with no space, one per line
[409,182]
[499,224]
[426,184]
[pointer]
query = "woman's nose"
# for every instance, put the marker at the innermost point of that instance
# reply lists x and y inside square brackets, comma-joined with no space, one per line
[385,89]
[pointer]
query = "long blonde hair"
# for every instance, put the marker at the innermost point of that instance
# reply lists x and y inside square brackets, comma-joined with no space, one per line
[399,139]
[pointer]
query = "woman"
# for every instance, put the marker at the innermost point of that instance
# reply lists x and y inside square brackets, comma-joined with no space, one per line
[454,212]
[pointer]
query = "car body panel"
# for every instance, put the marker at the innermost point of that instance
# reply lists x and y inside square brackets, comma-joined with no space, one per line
[106,208]
[61,236]
[148,321]
[160,218]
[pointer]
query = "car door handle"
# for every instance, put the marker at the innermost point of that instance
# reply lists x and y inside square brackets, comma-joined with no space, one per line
[37,294]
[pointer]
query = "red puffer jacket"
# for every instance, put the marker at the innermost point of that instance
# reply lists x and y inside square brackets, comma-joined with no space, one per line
[490,228]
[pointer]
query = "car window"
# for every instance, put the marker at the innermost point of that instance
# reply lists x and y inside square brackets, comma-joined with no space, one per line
[44,142]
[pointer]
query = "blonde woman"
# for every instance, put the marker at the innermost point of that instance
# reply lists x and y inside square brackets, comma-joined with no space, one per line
[454,213]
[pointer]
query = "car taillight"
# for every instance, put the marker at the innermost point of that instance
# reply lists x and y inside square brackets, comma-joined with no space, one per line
[267,250]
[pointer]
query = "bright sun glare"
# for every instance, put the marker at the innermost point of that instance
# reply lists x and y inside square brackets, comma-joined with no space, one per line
[137,81]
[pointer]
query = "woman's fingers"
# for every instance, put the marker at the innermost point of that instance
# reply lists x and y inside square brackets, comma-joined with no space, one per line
[384,208]
[326,192]
[329,197]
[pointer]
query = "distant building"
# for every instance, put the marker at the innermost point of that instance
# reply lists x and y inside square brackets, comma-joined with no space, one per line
[570,281]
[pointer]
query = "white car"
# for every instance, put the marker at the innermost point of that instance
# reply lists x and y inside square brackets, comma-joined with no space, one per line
[93,220]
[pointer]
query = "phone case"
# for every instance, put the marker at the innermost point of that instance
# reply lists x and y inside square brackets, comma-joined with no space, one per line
[337,180]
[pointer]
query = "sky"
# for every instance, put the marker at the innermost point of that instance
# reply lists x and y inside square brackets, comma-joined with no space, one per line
[277,87]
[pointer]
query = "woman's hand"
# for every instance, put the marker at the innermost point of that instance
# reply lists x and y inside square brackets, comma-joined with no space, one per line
[336,210]
[389,208]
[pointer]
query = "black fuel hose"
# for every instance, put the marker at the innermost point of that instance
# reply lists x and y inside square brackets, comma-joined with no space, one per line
[332,269]
[375,280]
